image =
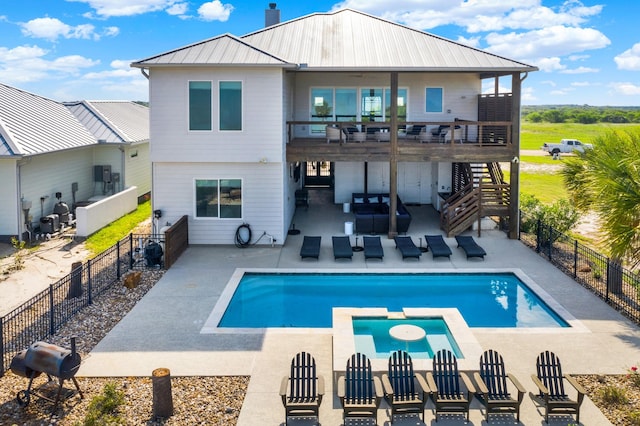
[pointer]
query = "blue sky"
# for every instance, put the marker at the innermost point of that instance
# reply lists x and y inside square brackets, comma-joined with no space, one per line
[588,52]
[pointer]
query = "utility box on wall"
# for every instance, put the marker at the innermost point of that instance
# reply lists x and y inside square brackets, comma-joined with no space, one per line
[102,173]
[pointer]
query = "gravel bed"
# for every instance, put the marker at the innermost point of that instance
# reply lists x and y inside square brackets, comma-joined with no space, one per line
[196,400]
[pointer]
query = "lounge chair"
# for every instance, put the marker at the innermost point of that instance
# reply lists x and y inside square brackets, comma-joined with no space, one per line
[407,247]
[342,247]
[372,248]
[444,384]
[310,247]
[550,382]
[302,390]
[493,389]
[359,391]
[437,246]
[470,247]
[404,390]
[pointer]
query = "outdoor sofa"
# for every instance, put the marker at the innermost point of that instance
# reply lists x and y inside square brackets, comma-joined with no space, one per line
[371,213]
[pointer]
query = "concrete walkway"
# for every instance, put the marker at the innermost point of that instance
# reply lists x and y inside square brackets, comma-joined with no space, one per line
[163,330]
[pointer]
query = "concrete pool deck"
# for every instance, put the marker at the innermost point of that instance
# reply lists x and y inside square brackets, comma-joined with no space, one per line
[164,328]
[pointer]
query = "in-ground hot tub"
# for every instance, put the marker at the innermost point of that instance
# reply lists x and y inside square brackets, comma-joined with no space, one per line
[422,332]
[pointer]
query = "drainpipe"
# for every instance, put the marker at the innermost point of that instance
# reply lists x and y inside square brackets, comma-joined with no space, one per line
[19,201]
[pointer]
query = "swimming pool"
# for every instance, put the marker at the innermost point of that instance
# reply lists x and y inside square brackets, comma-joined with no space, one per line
[293,300]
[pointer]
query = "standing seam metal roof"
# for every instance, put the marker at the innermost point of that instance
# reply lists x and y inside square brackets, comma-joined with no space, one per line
[342,40]
[31,124]
[113,121]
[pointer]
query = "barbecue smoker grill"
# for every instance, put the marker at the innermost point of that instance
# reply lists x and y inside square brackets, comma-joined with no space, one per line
[52,360]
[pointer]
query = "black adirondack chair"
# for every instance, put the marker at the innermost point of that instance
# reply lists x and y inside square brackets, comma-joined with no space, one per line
[550,382]
[493,388]
[444,382]
[302,390]
[404,391]
[359,391]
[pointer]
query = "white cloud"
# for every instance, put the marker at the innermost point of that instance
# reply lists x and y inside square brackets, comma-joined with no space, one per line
[626,88]
[119,69]
[108,8]
[549,82]
[472,41]
[476,15]
[528,95]
[215,11]
[111,31]
[546,42]
[629,59]
[28,64]
[52,28]
[583,84]
[549,64]
[178,9]
[580,70]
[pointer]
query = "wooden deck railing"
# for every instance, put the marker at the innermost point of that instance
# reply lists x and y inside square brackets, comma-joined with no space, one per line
[479,132]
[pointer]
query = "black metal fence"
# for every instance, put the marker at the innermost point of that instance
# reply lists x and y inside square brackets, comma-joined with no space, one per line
[46,312]
[616,285]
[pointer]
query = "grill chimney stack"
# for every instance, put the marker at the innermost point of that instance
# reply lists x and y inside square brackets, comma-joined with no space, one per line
[271,15]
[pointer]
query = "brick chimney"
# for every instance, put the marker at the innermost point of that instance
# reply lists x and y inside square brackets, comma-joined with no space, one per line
[271,15]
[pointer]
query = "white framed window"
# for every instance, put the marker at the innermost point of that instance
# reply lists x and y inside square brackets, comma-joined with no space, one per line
[230,94]
[218,198]
[200,109]
[434,99]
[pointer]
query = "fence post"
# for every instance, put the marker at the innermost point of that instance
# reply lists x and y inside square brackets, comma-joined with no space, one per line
[549,250]
[89,279]
[2,369]
[52,316]
[538,235]
[606,282]
[130,251]
[118,273]
[575,258]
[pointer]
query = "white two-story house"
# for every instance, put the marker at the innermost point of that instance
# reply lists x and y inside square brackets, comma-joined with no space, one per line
[343,99]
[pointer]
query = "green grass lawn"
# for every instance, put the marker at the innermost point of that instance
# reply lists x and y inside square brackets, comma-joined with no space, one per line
[533,135]
[109,235]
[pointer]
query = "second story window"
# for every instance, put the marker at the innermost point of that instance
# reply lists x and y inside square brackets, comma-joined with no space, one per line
[435,100]
[230,105]
[200,105]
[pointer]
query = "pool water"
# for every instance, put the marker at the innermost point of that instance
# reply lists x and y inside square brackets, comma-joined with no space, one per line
[373,338]
[500,300]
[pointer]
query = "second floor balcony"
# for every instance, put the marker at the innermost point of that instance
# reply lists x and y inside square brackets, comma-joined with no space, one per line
[458,140]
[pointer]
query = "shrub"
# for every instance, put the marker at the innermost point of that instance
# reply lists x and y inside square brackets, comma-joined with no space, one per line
[634,376]
[613,395]
[104,409]
[561,216]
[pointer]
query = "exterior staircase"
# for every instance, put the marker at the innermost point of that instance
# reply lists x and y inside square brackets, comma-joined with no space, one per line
[479,190]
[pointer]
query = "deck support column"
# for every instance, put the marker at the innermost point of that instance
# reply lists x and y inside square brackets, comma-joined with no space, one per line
[514,175]
[393,157]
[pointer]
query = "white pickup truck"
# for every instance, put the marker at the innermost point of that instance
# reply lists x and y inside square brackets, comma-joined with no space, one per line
[565,145]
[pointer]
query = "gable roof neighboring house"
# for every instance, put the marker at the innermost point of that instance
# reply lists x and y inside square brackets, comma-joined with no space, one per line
[345,40]
[32,125]
[113,121]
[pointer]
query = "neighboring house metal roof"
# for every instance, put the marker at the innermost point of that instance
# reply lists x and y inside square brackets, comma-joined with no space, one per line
[347,40]
[113,121]
[31,124]
[222,50]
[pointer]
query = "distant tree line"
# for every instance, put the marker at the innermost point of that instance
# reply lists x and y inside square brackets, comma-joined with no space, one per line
[580,114]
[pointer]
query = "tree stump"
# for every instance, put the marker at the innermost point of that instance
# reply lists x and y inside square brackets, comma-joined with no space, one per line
[75,285]
[162,399]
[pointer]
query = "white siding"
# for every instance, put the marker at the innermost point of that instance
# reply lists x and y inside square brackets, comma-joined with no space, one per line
[262,134]
[262,189]
[138,168]
[45,175]
[9,219]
